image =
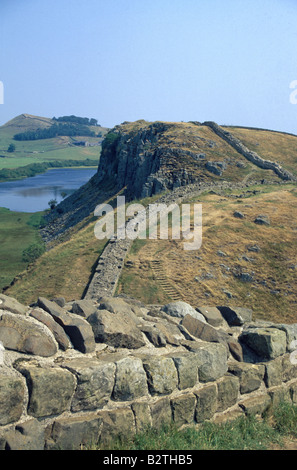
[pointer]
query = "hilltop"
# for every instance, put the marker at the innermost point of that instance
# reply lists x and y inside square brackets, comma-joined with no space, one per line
[56,148]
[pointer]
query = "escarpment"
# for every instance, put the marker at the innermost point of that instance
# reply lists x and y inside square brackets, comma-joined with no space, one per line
[142,159]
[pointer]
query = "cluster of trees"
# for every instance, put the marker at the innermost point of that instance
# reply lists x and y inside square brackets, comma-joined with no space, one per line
[77,120]
[56,130]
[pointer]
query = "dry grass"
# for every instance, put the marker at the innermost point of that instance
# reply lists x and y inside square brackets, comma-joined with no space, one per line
[203,277]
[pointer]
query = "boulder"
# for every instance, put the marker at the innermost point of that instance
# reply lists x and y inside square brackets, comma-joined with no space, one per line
[236,316]
[180,309]
[161,375]
[76,327]
[211,359]
[116,329]
[262,220]
[212,315]
[250,375]
[22,334]
[83,307]
[12,305]
[267,343]
[203,331]
[57,330]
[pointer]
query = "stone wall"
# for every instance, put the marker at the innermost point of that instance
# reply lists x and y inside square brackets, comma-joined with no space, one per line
[82,373]
[251,156]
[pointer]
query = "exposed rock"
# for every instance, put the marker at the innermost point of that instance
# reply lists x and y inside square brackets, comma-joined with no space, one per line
[76,327]
[203,331]
[116,329]
[130,380]
[19,333]
[267,343]
[161,375]
[238,215]
[12,305]
[95,382]
[236,316]
[180,309]
[84,308]
[154,335]
[250,375]
[212,315]
[262,220]
[58,332]
[12,393]
[50,388]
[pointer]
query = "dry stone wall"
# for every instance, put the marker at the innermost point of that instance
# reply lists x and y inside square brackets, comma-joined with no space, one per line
[79,374]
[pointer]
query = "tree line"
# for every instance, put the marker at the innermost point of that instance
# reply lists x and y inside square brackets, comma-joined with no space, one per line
[55,130]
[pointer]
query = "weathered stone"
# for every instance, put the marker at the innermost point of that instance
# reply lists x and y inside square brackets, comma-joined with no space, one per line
[12,393]
[238,215]
[130,379]
[154,335]
[161,375]
[236,316]
[83,307]
[50,388]
[12,305]
[262,220]
[19,333]
[26,436]
[180,309]
[228,390]
[161,413]
[203,331]
[183,409]
[58,332]
[289,368]
[291,332]
[250,375]
[256,405]
[273,372]
[212,315]
[116,305]
[60,301]
[235,349]
[143,418]
[207,402]
[187,370]
[95,382]
[77,328]
[267,343]
[115,424]
[74,433]
[116,329]
[170,332]
[211,359]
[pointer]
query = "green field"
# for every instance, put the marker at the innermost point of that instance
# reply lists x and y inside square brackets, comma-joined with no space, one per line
[18,230]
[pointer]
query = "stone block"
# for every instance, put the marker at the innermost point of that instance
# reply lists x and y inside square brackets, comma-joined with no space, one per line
[250,375]
[161,375]
[130,379]
[50,388]
[256,405]
[95,382]
[12,305]
[74,433]
[207,402]
[183,409]
[12,394]
[161,413]
[267,343]
[228,391]
[211,359]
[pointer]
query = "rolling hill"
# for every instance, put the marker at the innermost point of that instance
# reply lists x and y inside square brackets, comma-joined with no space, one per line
[45,150]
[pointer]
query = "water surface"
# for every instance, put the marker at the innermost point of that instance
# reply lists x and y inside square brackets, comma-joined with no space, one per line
[33,194]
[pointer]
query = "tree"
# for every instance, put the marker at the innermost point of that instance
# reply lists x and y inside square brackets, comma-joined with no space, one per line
[11,148]
[52,203]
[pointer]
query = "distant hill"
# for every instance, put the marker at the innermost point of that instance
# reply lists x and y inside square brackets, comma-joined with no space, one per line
[56,148]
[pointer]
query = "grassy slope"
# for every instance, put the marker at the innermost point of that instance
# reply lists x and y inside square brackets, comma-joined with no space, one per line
[45,149]
[202,277]
[17,232]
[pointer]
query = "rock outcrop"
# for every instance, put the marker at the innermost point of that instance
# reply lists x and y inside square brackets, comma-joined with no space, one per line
[114,366]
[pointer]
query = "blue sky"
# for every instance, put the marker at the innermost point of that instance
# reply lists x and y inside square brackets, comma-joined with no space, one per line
[231,61]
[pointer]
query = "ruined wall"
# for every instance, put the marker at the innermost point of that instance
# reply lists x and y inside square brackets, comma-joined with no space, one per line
[115,367]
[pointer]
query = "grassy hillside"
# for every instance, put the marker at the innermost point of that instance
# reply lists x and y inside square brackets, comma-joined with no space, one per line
[226,270]
[36,151]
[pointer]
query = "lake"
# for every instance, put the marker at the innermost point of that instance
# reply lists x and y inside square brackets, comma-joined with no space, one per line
[33,194]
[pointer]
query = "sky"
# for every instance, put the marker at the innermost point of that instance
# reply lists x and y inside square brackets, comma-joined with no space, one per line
[229,61]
